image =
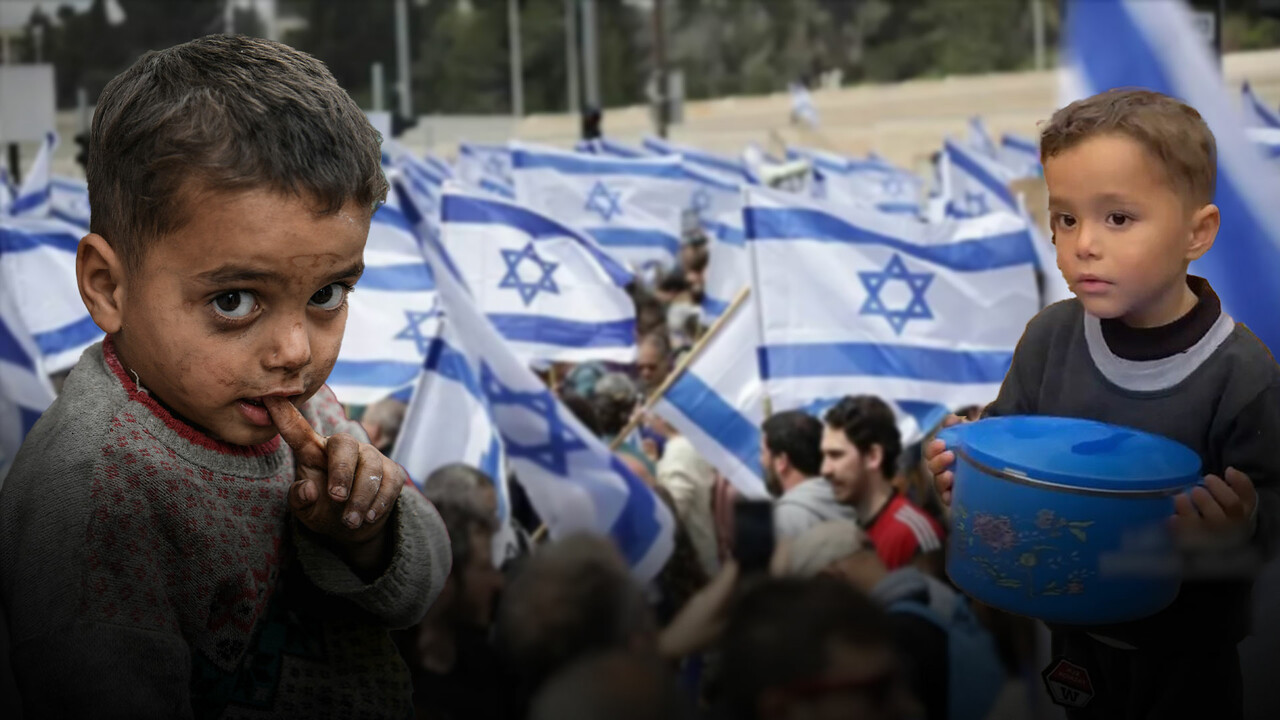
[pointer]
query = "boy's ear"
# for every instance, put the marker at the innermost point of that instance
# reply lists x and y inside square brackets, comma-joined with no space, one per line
[100,276]
[1204,230]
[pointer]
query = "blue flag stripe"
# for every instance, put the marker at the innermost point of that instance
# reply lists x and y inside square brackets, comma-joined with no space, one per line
[628,237]
[990,253]
[637,526]
[597,165]
[69,336]
[28,418]
[1022,144]
[11,351]
[373,373]
[388,215]
[16,241]
[878,360]
[408,277]
[719,420]
[548,330]
[468,209]
[29,201]
[979,173]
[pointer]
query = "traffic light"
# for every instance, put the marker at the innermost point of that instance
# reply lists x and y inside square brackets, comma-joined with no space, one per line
[82,155]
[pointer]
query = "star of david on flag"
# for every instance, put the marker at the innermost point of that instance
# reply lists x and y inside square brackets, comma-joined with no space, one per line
[939,306]
[527,289]
[604,203]
[572,479]
[414,331]
[917,283]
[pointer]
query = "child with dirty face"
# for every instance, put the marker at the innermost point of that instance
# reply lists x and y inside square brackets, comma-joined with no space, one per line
[194,529]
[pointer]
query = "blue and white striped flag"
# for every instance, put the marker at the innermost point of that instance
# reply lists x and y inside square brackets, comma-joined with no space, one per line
[604,146]
[873,183]
[802,105]
[1256,112]
[571,478]
[718,401]
[487,167]
[392,318]
[33,197]
[1267,141]
[438,166]
[391,230]
[69,201]
[633,208]
[1021,155]
[717,207]
[725,169]
[38,268]
[550,290]
[6,191]
[25,391]
[979,140]
[856,301]
[1152,44]
[978,185]
[425,185]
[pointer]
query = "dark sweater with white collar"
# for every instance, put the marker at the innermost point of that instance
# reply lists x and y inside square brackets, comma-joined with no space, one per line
[151,571]
[1202,380]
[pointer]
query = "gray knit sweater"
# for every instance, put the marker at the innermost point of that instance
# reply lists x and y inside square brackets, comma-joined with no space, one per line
[150,571]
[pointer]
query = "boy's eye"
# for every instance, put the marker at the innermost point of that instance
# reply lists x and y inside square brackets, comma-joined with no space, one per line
[330,297]
[235,304]
[1066,220]
[1118,219]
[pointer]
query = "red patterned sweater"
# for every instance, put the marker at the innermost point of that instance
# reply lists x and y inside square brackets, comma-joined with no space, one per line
[149,570]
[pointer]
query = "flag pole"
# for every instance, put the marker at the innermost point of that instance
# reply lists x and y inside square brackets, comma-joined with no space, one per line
[662,389]
[675,374]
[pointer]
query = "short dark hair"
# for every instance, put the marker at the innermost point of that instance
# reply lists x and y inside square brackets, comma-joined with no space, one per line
[661,339]
[223,113]
[1171,130]
[452,490]
[867,420]
[572,598]
[781,631]
[798,435]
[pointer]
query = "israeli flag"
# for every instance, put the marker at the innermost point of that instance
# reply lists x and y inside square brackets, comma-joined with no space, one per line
[1152,44]
[6,191]
[425,184]
[1257,113]
[722,168]
[392,318]
[977,184]
[718,401]
[573,481]
[717,207]
[438,166]
[604,146]
[802,105]
[1267,140]
[633,208]
[38,270]
[549,290]
[33,196]
[487,167]
[856,301]
[25,391]
[1021,155]
[979,140]
[391,231]
[69,201]
[873,183]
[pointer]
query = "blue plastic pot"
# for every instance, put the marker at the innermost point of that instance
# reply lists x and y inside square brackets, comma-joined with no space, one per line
[1066,520]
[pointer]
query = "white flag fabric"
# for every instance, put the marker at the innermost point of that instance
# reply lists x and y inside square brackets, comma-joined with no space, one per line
[571,478]
[978,184]
[391,231]
[632,207]
[25,391]
[1153,44]
[38,269]
[392,317]
[487,167]
[979,140]
[550,290]
[33,197]
[1257,113]
[717,207]
[725,169]
[856,301]
[424,184]
[718,401]
[1021,155]
[604,146]
[872,183]
[802,105]
[69,201]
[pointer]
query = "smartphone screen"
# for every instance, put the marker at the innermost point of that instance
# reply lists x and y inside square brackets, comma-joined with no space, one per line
[753,534]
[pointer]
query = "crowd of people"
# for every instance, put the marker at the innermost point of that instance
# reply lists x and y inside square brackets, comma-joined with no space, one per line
[853,615]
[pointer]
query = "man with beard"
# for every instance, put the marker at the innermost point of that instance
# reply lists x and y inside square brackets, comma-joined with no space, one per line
[790,453]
